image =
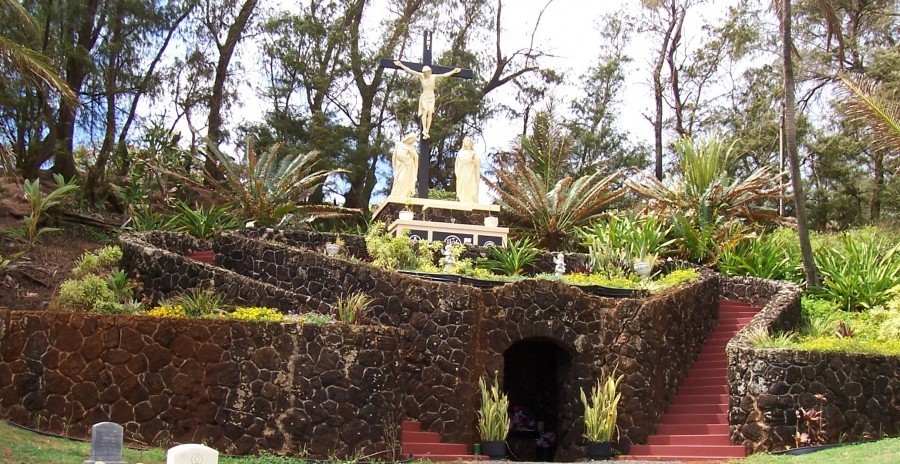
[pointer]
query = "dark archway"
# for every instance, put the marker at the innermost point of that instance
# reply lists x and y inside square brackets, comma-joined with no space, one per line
[534,373]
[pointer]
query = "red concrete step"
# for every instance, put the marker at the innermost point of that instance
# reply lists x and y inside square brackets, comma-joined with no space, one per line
[712,408]
[720,389]
[708,382]
[411,426]
[719,451]
[420,437]
[697,372]
[694,419]
[708,440]
[713,398]
[441,449]
[452,457]
[691,429]
[711,363]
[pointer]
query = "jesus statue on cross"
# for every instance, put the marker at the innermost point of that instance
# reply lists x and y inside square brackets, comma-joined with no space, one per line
[426,100]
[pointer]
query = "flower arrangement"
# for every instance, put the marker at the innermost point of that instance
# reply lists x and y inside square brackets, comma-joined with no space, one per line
[256,313]
[520,420]
[545,440]
[172,311]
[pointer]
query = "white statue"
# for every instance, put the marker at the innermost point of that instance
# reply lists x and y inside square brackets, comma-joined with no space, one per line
[406,165]
[449,259]
[560,261]
[468,172]
[426,100]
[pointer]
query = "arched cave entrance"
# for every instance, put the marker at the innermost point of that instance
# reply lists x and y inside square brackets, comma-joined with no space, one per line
[534,372]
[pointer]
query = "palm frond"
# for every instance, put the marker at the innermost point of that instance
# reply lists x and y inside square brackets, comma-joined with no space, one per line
[34,67]
[863,104]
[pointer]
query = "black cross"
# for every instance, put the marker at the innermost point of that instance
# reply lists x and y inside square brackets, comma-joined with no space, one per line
[424,145]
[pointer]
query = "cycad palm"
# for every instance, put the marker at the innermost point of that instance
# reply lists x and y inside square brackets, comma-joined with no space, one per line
[542,202]
[32,66]
[268,186]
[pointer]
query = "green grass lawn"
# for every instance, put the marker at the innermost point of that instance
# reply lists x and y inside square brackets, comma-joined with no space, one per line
[19,446]
[885,451]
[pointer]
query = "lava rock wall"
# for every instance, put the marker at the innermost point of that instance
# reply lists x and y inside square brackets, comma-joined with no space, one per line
[768,386]
[238,386]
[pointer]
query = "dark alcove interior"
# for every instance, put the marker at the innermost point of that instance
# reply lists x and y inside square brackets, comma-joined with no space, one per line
[533,375]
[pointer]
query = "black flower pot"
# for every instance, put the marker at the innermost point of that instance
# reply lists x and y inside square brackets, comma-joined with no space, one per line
[599,450]
[494,449]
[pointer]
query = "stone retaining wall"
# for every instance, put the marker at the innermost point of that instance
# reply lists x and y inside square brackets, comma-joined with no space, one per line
[439,340]
[768,386]
[456,334]
[157,261]
[240,387]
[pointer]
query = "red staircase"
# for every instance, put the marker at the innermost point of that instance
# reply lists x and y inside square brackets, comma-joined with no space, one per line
[695,425]
[428,446]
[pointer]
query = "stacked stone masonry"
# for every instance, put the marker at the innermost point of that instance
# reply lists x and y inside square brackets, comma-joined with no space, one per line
[768,386]
[250,386]
[240,387]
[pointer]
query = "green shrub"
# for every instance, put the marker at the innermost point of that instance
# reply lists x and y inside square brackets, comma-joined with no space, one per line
[512,258]
[85,293]
[400,252]
[40,204]
[674,278]
[351,308]
[768,256]
[859,273]
[600,279]
[199,302]
[314,318]
[204,223]
[96,262]
[617,241]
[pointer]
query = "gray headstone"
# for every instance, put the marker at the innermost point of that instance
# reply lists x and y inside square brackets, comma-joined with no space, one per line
[191,453]
[106,444]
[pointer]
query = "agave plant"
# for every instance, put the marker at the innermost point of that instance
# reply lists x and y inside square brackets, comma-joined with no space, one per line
[542,201]
[706,189]
[204,223]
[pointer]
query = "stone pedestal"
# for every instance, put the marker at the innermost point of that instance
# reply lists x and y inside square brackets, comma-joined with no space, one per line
[442,220]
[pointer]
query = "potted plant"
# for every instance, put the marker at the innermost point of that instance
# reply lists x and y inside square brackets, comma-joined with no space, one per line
[643,265]
[493,420]
[600,415]
[407,213]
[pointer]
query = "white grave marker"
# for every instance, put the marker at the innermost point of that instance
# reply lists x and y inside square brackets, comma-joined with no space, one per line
[191,453]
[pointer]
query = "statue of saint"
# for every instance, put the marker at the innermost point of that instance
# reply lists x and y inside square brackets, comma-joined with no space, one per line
[468,172]
[405,163]
[426,100]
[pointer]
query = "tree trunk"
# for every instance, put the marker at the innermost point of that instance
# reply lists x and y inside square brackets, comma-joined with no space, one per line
[790,145]
[877,187]
[217,97]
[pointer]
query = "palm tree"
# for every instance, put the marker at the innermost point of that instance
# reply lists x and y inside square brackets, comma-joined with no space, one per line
[790,139]
[32,66]
[864,102]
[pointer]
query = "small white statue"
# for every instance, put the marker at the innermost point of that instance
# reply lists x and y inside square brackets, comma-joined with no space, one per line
[406,165]
[426,99]
[560,262]
[468,172]
[449,260]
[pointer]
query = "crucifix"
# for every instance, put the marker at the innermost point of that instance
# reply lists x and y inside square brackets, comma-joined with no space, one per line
[427,74]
